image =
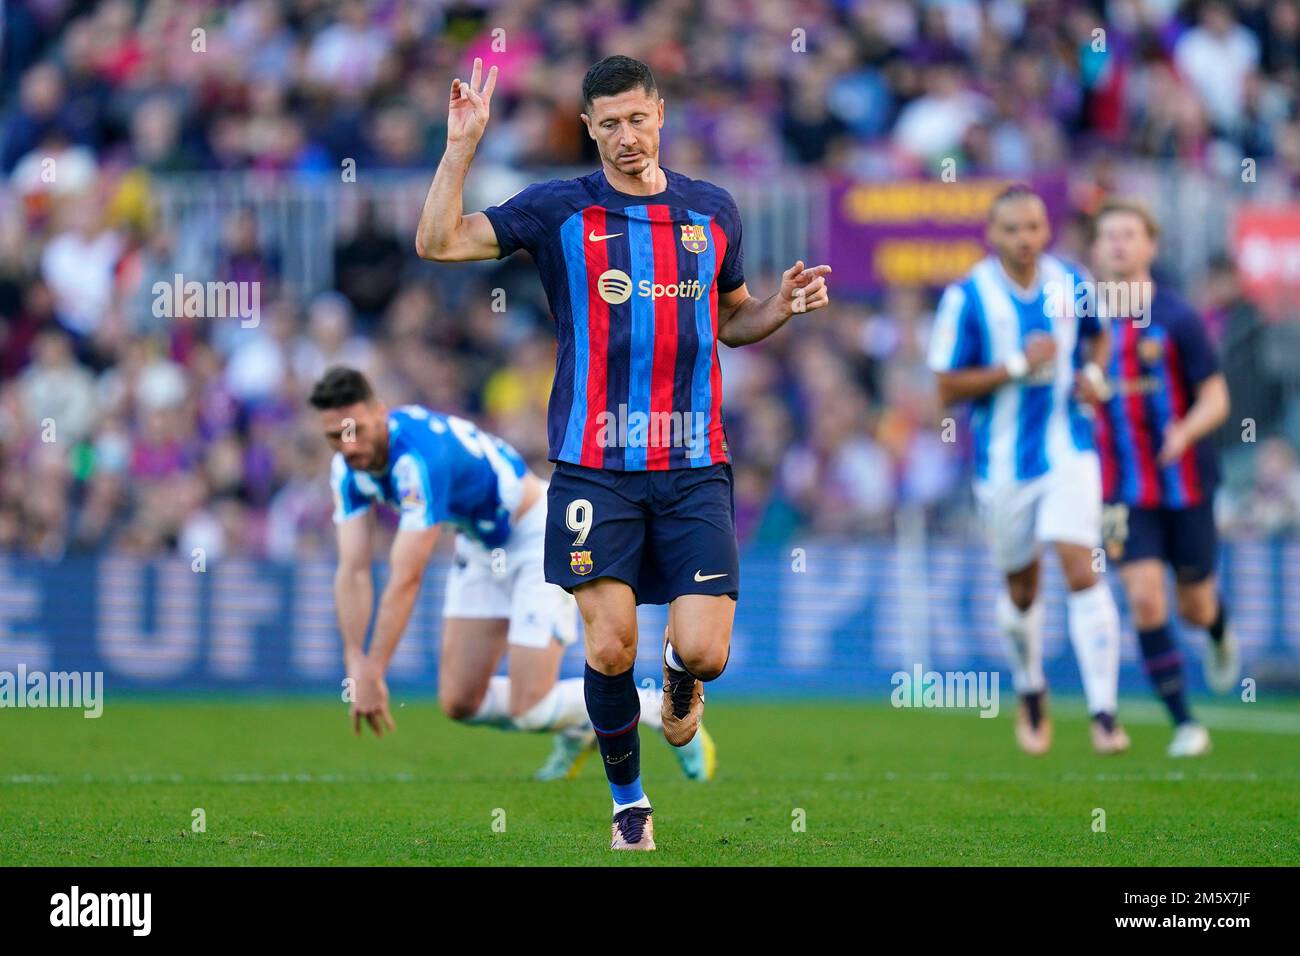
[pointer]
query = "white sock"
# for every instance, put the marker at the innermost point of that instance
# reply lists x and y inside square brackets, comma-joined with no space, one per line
[671,658]
[495,709]
[620,807]
[1022,636]
[1094,632]
[652,714]
[563,707]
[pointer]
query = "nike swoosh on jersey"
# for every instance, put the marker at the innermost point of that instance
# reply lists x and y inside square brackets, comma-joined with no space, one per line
[701,578]
[592,237]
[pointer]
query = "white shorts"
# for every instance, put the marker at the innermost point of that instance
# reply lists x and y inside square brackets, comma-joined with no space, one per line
[1063,505]
[508,582]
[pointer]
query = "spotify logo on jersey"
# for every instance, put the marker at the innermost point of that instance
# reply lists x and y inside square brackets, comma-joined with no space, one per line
[614,286]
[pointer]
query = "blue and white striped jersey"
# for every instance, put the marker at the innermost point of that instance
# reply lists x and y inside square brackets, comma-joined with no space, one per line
[440,468]
[1024,427]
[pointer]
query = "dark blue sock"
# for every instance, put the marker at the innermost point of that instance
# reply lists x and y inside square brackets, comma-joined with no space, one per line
[1164,665]
[615,708]
[1220,622]
[1034,707]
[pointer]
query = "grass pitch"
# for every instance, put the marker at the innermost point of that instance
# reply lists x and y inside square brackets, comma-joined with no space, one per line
[282,781]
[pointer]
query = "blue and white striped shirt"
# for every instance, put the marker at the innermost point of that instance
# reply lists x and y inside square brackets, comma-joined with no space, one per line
[440,468]
[1024,427]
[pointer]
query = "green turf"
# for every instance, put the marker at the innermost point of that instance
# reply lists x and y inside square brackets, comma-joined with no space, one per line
[283,782]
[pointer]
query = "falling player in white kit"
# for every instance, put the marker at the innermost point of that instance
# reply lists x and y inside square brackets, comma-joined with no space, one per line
[433,468]
[1009,340]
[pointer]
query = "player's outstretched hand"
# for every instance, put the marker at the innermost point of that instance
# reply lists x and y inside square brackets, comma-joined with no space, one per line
[805,288]
[467,113]
[371,703]
[1175,443]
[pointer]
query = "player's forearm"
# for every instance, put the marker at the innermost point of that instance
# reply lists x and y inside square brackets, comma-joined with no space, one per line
[353,598]
[970,383]
[754,320]
[394,613]
[1209,411]
[444,205]
[1097,349]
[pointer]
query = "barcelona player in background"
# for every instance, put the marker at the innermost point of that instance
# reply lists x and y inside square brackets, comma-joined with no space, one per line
[644,274]
[1159,470]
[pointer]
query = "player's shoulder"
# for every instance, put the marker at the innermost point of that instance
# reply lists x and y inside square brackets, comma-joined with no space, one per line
[705,195]
[1171,306]
[416,420]
[412,429]
[404,415]
[1058,262]
[968,286]
[554,194]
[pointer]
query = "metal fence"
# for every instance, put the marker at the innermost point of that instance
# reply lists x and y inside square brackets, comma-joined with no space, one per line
[301,216]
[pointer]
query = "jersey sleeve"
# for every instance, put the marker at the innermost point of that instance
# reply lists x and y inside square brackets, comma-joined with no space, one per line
[520,220]
[348,499]
[1194,347]
[423,494]
[955,341]
[731,275]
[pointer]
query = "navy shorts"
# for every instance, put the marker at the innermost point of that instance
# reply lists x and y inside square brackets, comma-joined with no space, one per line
[1184,538]
[664,533]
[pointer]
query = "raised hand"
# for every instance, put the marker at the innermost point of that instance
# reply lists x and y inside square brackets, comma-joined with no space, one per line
[805,289]
[467,112]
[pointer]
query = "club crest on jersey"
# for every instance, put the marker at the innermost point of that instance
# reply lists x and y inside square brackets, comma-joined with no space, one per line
[1150,350]
[580,562]
[694,238]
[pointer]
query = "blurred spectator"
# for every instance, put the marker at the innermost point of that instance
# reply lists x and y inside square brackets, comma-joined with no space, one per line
[1271,504]
[368,267]
[58,395]
[175,430]
[1217,57]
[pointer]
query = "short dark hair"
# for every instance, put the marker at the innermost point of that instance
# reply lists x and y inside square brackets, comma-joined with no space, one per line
[1013,191]
[616,74]
[340,387]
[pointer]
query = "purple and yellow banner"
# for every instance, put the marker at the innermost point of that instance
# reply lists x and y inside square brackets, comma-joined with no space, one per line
[916,231]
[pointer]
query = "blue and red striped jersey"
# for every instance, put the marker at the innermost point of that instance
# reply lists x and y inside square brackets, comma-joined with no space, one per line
[1155,372]
[633,284]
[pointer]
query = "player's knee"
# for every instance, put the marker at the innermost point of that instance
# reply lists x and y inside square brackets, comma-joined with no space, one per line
[1148,609]
[610,656]
[1079,572]
[706,665]
[1022,593]
[611,644]
[458,706]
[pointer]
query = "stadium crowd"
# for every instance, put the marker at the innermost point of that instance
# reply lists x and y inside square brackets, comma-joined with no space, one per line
[124,429]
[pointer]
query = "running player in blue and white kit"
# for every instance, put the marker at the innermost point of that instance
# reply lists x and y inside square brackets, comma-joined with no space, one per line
[644,273]
[1158,469]
[431,469]
[1008,339]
